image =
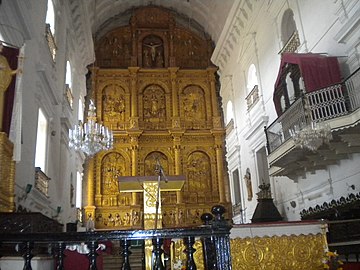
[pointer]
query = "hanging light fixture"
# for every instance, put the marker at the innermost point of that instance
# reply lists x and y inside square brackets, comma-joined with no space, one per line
[90,137]
[312,136]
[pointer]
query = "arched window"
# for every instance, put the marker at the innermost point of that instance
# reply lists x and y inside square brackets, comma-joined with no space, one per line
[68,82]
[229,112]
[68,76]
[41,141]
[252,79]
[50,16]
[288,26]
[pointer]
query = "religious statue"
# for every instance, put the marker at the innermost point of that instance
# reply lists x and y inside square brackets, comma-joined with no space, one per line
[6,74]
[152,47]
[247,179]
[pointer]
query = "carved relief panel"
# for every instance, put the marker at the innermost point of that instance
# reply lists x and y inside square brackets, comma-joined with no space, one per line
[198,177]
[115,49]
[113,105]
[193,107]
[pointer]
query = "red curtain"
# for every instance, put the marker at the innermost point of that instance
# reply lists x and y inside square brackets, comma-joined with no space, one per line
[318,71]
[11,55]
[351,266]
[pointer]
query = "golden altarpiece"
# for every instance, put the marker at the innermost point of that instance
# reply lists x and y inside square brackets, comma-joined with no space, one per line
[155,87]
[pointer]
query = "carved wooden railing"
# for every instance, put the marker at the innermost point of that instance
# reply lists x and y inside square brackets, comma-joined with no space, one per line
[51,41]
[214,235]
[292,44]
[253,97]
[42,181]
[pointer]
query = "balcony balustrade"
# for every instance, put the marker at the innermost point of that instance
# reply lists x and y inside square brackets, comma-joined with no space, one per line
[336,107]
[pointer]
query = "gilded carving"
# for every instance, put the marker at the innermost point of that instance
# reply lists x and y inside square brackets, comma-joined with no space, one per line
[7,175]
[112,168]
[145,94]
[113,106]
[115,49]
[153,52]
[278,252]
[154,104]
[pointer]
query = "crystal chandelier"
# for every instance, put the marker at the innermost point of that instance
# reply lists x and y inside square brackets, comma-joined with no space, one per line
[312,136]
[90,137]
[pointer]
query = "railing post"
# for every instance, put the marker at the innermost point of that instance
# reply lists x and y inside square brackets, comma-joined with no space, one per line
[125,244]
[59,255]
[189,242]
[208,245]
[27,255]
[222,243]
[92,255]
[157,262]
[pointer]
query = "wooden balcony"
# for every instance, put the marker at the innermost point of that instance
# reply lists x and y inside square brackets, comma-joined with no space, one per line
[336,107]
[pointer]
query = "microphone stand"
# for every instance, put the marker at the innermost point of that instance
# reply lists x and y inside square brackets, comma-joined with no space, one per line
[160,172]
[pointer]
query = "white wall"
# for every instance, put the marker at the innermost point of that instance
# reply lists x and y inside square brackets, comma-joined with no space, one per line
[253,36]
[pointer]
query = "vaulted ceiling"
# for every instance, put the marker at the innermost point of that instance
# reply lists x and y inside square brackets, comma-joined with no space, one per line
[93,18]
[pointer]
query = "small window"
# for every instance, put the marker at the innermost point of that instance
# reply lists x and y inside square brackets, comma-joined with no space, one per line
[41,141]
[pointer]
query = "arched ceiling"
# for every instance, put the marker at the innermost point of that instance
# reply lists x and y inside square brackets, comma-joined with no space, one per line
[210,14]
[93,18]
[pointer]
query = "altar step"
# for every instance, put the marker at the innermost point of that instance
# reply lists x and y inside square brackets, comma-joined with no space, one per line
[114,261]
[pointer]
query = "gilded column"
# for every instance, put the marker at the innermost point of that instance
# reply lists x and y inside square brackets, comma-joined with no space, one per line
[214,100]
[90,192]
[133,83]
[178,168]
[220,171]
[134,164]
[174,97]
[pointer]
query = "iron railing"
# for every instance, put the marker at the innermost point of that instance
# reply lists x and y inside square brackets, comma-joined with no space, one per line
[314,107]
[214,235]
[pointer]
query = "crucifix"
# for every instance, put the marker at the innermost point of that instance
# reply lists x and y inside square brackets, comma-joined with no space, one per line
[151,186]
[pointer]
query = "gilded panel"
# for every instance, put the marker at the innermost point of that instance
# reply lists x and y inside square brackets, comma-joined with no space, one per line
[118,218]
[278,252]
[113,105]
[111,168]
[190,51]
[114,50]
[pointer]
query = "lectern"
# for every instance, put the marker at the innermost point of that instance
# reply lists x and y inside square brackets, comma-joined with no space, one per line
[151,186]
